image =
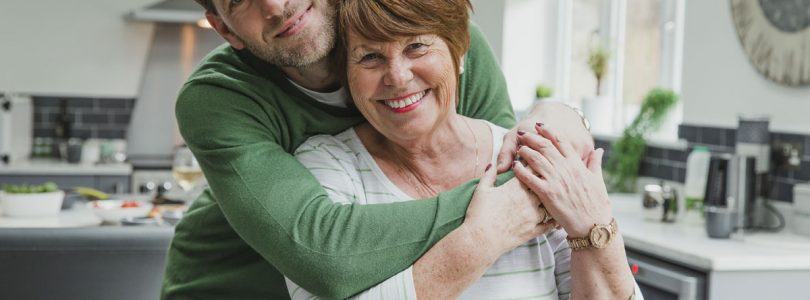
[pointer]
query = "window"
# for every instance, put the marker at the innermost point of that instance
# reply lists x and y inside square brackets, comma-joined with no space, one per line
[643,39]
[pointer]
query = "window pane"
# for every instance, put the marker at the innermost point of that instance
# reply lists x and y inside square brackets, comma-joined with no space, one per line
[584,33]
[642,50]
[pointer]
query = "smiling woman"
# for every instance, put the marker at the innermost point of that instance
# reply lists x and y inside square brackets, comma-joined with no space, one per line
[402,61]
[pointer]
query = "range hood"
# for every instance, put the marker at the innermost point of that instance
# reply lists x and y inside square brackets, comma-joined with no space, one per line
[169,11]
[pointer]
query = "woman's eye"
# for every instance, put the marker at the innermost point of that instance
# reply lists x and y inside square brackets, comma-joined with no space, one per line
[417,46]
[370,57]
[233,3]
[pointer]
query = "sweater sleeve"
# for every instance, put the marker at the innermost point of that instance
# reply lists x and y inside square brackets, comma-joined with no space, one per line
[483,93]
[279,209]
[334,165]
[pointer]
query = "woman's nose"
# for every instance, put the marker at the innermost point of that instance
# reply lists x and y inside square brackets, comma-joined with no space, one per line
[399,73]
[273,8]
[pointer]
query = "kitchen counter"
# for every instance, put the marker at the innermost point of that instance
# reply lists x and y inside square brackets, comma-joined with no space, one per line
[58,168]
[689,245]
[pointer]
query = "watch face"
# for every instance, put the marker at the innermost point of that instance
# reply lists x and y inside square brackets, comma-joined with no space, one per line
[601,236]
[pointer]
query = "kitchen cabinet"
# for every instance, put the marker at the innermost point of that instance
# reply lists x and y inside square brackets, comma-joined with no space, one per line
[754,266]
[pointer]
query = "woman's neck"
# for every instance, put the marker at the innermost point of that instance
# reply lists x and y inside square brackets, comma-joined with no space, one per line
[435,162]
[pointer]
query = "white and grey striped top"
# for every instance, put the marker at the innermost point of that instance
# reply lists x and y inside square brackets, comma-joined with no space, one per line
[538,269]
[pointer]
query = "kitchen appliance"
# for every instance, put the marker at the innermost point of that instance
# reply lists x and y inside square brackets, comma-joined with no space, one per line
[801,209]
[731,189]
[661,280]
[16,128]
[660,203]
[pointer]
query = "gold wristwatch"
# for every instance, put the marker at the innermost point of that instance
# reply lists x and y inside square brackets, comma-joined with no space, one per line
[600,237]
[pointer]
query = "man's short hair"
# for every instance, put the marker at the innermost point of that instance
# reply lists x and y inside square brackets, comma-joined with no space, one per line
[208,5]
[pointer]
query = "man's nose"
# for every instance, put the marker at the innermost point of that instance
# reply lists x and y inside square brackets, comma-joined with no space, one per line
[273,8]
[399,73]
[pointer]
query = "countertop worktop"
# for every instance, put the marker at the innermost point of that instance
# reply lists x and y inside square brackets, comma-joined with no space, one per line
[688,244]
[58,168]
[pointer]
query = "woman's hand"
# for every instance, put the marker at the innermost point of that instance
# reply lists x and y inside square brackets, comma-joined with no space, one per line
[506,216]
[557,115]
[572,191]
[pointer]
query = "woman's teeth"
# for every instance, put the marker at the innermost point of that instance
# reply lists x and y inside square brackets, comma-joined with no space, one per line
[405,102]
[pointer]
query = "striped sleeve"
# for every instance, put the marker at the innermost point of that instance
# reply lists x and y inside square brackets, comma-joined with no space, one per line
[562,262]
[335,167]
[333,164]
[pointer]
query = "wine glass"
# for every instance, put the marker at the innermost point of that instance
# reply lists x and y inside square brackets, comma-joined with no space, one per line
[185,169]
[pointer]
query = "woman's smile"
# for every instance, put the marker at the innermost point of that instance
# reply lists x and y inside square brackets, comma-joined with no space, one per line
[405,103]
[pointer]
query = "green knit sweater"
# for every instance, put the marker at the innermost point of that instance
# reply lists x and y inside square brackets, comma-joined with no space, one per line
[266,213]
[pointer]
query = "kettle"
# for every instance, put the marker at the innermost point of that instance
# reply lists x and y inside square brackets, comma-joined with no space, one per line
[660,202]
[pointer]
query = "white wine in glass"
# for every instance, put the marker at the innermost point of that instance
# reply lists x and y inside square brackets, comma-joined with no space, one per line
[186,170]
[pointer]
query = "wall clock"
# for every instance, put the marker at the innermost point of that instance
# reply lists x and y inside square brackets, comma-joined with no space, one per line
[776,37]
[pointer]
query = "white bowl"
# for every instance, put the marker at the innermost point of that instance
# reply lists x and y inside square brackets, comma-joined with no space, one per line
[111,210]
[34,205]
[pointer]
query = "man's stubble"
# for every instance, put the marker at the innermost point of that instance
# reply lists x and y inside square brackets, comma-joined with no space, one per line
[300,50]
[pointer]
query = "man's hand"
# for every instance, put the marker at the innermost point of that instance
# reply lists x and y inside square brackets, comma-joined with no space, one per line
[562,118]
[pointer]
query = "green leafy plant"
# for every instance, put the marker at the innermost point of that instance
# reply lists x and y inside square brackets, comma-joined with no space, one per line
[47,187]
[543,91]
[626,153]
[598,62]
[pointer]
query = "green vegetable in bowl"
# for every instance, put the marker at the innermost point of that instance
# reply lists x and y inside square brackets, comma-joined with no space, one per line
[47,187]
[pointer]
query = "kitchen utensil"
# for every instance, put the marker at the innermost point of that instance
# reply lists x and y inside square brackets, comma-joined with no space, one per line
[31,205]
[660,202]
[114,211]
[720,222]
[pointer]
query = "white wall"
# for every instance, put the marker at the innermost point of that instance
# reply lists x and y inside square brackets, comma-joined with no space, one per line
[82,47]
[719,83]
[522,34]
[489,16]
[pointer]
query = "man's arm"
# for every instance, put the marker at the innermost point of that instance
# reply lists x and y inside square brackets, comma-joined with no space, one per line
[280,210]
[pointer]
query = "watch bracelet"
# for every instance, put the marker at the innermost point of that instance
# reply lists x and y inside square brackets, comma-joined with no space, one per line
[585,122]
[581,243]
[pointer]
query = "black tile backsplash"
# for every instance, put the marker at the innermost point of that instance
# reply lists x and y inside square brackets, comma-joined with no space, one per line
[670,164]
[105,118]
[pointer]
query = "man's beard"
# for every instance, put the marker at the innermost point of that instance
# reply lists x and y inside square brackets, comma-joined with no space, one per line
[299,56]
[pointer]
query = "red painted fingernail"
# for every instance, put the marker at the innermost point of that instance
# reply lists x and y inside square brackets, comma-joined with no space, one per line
[540,124]
[521,132]
[488,166]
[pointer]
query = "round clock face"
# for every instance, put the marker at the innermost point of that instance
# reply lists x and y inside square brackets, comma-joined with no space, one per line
[776,37]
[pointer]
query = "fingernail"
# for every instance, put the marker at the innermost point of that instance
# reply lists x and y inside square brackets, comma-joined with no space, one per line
[513,164]
[540,124]
[521,132]
[488,166]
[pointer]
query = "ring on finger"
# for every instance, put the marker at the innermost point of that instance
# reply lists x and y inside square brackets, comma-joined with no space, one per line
[546,217]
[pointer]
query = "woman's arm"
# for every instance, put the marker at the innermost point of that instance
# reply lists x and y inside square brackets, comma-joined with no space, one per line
[497,220]
[575,195]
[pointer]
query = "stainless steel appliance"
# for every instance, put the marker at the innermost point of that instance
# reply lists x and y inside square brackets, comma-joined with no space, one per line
[16,128]
[662,280]
[732,185]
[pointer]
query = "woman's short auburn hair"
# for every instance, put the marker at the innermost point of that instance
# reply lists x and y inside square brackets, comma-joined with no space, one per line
[388,20]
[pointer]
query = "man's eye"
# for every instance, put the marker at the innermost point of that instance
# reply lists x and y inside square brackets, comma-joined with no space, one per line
[233,3]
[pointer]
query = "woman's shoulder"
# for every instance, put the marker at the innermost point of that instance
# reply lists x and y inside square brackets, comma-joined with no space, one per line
[337,147]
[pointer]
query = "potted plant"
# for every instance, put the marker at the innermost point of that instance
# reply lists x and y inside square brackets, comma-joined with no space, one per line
[626,153]
[31,200]
[542,91]
[598,109]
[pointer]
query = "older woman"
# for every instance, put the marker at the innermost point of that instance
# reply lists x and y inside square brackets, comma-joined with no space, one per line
[402,60]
